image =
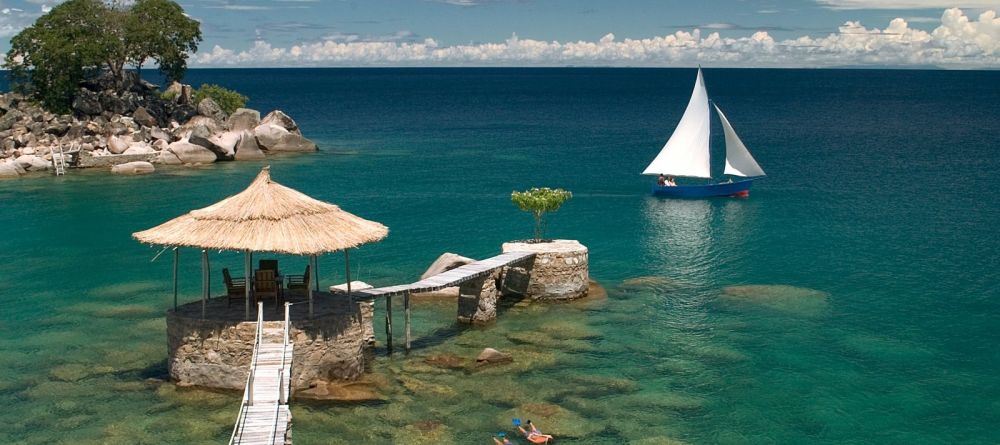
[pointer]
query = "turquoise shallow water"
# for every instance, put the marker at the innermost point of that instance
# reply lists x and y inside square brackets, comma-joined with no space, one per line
[851,299]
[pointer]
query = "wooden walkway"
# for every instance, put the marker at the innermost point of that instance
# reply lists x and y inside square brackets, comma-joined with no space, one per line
[264,416]
[449,278]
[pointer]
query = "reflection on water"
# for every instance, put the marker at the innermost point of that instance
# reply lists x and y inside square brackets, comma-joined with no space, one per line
[689,239]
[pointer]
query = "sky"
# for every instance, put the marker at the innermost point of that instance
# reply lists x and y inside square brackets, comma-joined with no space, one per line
[955,34]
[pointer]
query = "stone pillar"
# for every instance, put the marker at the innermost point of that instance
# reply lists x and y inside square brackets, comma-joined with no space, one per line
[477,300]
[560,270]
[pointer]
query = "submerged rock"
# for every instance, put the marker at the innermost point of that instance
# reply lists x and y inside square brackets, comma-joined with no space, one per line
[446,361]
[789,299]
[553,419]
[365,390]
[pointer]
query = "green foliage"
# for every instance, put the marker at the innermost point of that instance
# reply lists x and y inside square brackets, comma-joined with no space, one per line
[51,57]
[159,30]
[79,39]
[168,96]
[538,202]
[228,100]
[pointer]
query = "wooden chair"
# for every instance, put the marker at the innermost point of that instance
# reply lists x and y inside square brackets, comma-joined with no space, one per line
[236,288]
[300,283]
[265,284]
[268,265]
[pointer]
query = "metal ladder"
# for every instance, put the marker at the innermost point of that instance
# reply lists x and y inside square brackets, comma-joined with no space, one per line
[59,161]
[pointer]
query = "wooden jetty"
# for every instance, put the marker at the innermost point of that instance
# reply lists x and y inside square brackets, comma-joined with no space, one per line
[437,282]
[449,278]
[264,415]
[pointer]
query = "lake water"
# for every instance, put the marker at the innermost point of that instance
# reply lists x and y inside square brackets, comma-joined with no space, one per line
[851,299]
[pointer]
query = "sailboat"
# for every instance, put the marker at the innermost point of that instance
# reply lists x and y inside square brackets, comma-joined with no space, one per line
[686,154]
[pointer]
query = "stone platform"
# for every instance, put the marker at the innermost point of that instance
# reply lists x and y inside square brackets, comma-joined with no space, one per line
[215,352]
[560,270]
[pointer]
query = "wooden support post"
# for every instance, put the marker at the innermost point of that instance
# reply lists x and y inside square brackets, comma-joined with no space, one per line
[309,288]
[247,269]
[347,261]
[315,271]
[388,322]
[406,319]
[204,282]
[176,253]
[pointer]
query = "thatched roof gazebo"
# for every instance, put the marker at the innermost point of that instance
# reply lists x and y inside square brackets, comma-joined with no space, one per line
[266,217]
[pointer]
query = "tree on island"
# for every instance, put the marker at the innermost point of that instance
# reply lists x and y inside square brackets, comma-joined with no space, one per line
[538,202]
[81,39]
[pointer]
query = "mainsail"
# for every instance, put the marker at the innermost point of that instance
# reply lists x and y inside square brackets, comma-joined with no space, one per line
[687,151]
[739,162]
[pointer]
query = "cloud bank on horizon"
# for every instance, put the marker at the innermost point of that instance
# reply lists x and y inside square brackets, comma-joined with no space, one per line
[957,42]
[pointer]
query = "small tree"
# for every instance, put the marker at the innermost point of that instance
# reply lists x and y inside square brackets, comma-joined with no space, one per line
[538,202]
[227,99]
[79,39]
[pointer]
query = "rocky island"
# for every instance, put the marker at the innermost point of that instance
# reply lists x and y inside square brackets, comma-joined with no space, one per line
[128,125]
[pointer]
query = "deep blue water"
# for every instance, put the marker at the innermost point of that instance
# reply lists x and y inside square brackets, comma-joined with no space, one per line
[871,246]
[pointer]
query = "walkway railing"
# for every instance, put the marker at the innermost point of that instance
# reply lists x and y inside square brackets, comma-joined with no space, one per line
[248,388]
[264,414]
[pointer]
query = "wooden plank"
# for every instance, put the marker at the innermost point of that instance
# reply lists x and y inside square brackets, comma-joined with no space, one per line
[448,278]
[266,422]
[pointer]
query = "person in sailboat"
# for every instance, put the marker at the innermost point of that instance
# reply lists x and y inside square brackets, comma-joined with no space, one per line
[670,181]
[662,180]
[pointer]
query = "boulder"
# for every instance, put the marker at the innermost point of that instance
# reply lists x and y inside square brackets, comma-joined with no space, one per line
[186,93]
[200,135]
[355,285]
[175,89]
[160,144]
[10,170]
[159,134]
[247,148]
[208,108]
[268,135]
[9,119]
[276,138]
[139,148]
[447,261]
[142,117]
[167,157]
[189,153]
[207,122]
[87,102]
[279,118]
[243,119]
[57,128]
[32,162]
[183,113]
[117,145]
[133,168]
[112,103]
[490,356]
[226,142]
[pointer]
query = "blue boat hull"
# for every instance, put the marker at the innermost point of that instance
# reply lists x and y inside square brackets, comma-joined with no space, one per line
[736,189]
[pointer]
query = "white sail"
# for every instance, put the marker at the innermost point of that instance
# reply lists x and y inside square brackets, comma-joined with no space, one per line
[686,152]
[739,162]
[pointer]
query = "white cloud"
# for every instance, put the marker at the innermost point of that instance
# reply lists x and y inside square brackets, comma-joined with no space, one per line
[907,4]
[958,42]
[13,20]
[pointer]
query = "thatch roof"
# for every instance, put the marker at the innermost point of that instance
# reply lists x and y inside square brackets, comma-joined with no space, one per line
[267,217]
